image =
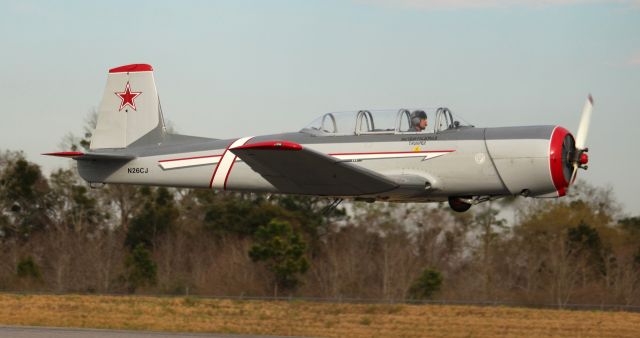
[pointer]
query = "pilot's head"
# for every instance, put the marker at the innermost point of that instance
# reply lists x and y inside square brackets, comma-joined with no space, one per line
[418,120]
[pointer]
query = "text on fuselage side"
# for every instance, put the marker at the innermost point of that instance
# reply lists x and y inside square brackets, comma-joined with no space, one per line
[419,140]
[137,170]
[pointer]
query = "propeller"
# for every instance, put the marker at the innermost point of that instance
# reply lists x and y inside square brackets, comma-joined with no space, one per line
[580,157]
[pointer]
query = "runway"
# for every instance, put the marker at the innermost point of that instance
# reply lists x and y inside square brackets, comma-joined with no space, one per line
[55,332]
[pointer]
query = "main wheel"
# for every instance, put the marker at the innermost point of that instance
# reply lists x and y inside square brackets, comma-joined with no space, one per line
[458,204]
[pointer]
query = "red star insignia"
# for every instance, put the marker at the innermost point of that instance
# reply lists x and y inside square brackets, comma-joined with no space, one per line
[128,97]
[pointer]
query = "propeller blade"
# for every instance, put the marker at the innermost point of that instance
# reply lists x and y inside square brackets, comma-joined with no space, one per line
[581,139]
[574,173]
[583,128]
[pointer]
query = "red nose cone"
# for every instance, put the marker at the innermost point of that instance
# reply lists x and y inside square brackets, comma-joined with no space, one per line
[584,159]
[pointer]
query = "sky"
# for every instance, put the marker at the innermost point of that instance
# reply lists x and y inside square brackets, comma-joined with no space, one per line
[233,68]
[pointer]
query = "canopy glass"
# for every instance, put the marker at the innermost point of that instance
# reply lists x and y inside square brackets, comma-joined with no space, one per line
[385,122]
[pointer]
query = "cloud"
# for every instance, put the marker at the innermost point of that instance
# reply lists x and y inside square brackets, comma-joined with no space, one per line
[463,4]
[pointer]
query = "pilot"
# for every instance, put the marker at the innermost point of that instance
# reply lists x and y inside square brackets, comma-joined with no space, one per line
[418,120]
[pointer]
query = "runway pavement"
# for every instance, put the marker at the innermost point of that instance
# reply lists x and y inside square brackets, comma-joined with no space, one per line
[54,332]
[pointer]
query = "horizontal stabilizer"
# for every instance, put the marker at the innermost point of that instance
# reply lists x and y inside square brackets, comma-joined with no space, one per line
[297,170]
[78,155]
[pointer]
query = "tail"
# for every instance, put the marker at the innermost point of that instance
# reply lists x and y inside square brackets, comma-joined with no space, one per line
[129,113]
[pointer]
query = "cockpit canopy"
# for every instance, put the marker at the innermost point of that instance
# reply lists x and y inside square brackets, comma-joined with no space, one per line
[401,121]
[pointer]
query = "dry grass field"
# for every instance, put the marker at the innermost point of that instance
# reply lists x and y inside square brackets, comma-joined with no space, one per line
[308,318]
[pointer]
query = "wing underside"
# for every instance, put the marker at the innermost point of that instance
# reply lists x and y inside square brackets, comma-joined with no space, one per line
[297,170]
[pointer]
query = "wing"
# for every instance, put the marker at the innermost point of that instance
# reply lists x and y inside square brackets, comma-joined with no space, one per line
[297,170]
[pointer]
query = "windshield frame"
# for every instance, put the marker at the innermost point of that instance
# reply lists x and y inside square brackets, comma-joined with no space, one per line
[438,116]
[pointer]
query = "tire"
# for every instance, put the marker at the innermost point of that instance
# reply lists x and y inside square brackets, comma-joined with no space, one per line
[458,205]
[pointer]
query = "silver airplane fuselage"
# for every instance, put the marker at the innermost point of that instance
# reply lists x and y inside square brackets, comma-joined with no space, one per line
[467,162]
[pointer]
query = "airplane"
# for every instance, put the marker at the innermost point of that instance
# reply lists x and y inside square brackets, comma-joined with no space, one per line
[364,155]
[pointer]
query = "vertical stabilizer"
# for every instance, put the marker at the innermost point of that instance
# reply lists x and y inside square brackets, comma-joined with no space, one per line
[130,109]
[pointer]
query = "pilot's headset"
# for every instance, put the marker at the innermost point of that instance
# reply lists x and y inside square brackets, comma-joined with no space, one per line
[416,116]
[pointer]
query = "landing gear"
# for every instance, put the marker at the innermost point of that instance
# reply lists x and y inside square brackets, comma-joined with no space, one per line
[457,204]
[332,206]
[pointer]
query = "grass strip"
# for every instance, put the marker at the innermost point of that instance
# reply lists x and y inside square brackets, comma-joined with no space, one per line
[301,318]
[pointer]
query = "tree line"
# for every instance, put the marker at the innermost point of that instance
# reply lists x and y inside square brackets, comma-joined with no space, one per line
[59,235]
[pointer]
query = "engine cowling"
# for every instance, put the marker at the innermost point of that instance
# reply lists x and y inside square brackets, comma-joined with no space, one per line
[533,161]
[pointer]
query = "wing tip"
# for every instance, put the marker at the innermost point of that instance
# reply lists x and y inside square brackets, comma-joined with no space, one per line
[271,145]
[67,154]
